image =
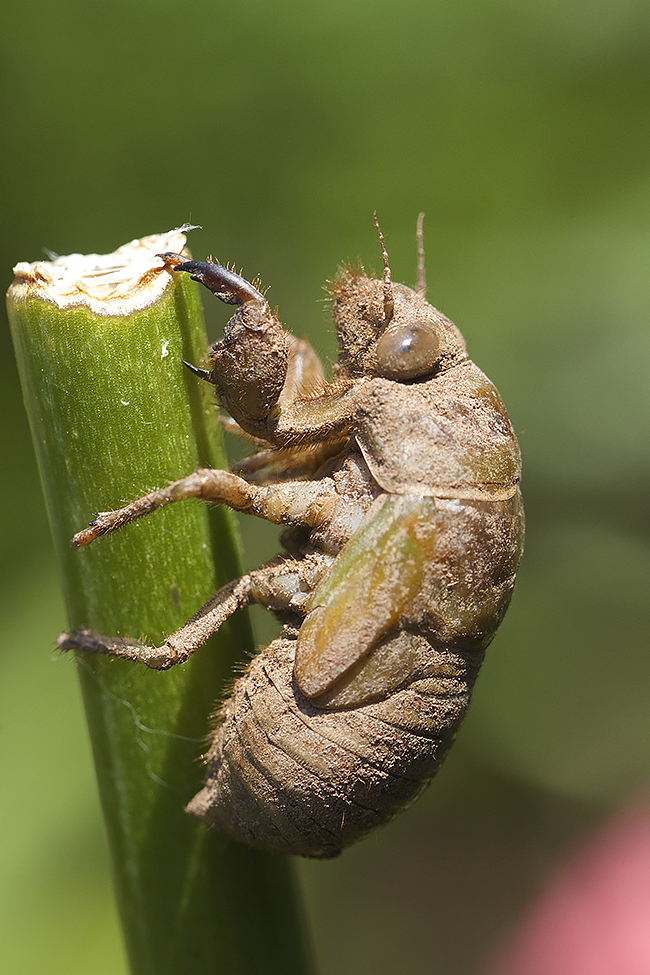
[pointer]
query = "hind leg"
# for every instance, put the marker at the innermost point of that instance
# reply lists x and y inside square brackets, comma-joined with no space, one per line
[282,585]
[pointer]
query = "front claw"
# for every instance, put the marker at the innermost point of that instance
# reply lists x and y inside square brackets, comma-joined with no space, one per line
[171,260]
[229,287]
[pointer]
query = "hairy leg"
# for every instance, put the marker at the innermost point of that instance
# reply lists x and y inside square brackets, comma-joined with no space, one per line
[292,503]
[179,646]
[283,585]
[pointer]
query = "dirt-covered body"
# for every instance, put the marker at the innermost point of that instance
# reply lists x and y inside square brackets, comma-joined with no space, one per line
[404,532]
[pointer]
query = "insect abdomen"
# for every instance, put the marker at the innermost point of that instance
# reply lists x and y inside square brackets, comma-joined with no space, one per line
[286,776]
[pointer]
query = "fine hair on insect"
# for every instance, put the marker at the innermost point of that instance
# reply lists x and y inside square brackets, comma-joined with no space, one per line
[396,482]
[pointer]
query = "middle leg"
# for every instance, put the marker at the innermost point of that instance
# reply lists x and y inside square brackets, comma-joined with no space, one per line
[292,503]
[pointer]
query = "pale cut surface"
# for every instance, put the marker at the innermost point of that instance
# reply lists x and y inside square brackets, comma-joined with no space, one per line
[116,284]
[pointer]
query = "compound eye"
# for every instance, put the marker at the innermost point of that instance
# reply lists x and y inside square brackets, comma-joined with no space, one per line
[407,351]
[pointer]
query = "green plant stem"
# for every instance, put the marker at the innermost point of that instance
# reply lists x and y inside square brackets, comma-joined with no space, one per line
[113,414]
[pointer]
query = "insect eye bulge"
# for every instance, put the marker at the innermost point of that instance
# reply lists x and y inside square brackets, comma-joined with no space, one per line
[409,351]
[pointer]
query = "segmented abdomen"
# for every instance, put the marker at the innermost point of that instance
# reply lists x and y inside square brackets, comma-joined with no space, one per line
[288,777]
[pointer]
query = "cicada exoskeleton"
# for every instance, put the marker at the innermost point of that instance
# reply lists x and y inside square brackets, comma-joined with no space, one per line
[398,486]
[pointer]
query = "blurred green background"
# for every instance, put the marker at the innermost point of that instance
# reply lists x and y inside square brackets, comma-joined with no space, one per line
[522,129]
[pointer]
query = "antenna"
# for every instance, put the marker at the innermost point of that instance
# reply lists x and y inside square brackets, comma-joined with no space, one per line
[419,236]
[389,303]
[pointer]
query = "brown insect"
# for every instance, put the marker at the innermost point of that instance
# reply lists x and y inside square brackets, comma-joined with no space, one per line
[399,486]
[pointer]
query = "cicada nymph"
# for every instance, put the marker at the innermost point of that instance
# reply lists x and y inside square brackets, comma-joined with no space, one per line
[398,486]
